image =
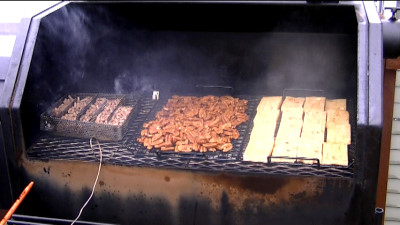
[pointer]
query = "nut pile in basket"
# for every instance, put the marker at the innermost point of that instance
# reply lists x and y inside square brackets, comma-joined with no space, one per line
[199,124]
[77,107]
[99,110]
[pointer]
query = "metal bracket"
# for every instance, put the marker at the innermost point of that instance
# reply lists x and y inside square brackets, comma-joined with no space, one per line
[394,11]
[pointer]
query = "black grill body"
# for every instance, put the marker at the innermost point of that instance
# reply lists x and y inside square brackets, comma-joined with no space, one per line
[242,49]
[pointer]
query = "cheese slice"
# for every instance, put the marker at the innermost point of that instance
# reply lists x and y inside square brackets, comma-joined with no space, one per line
[315,135]
[339,134]
[258,150]
[263,130]
[267,116]
[314,103]
[270,102]
[292,102]
[287,131]
[335,104]
[315,116]
[285,148]
[292,115]
[337,117]
[311,149]
[334,154]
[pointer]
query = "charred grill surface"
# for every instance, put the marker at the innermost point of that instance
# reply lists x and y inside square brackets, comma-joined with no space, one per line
[129,152]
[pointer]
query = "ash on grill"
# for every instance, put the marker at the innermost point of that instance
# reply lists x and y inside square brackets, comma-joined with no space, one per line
[200,124]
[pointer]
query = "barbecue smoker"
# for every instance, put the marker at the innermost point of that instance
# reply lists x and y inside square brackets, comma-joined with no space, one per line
[242,49]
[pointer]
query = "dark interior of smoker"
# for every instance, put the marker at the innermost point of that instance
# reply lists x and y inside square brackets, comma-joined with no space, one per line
[190,49]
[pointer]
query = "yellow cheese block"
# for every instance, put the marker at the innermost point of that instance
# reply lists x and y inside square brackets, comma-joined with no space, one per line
[315,116]
[258,150]
[292,102]
[334,154]
[337,117]
[340,133]
[292,115]
[285,148]
[314,103]
[267,116]
[270,102]
[263,130]
[335,104]
[287,131]
[309,148]
[313,134]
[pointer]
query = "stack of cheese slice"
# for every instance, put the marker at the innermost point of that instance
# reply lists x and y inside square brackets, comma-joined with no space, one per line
[338,135]
[262,136]
[301,132]
[313,131]
[287,138]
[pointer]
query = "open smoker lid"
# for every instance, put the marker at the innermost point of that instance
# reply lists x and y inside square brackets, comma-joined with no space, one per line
[121,47]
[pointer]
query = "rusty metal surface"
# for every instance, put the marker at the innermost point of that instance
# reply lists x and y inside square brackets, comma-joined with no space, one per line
[138,195]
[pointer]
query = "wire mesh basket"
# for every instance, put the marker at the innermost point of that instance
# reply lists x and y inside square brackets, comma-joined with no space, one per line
[54,123]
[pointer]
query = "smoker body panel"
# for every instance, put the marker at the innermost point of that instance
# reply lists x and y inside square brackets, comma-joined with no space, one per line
[140,195]
[375,66]
[261,54]
[5,183]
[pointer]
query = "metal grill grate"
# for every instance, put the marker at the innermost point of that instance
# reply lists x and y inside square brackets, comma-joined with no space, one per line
[234,154]
[131,153]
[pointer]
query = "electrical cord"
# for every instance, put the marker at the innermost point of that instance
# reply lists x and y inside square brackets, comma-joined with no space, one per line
[95,182]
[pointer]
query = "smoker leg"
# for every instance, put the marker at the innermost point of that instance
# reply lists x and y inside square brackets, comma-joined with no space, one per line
[378,216]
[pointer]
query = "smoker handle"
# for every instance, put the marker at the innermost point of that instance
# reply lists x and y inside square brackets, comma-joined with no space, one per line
[378,216]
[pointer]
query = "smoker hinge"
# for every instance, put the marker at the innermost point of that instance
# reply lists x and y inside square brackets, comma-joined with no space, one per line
[394,11]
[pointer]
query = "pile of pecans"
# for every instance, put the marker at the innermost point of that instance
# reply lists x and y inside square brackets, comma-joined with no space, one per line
[63,106]
[108,109]
[93,109]
[200,124]
[78,106]
[120,115]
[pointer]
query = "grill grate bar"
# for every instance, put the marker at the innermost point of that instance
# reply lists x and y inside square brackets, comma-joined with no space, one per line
[128,152]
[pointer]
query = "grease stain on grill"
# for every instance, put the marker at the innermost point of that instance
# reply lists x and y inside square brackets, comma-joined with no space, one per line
[298,196]
[256,184]
[46,170]
[66,174]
